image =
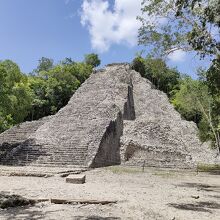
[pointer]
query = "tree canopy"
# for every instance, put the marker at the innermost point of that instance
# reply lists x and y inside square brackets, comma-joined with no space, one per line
[188,25]
[157,71]
[43,92]
[92,59]
[15,95]
[52,89]
[180,25]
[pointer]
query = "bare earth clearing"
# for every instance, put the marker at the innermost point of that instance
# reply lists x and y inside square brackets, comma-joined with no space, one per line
[154,194]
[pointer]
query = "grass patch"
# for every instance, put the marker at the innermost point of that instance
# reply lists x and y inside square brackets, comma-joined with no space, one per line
[120,169]
[208,167]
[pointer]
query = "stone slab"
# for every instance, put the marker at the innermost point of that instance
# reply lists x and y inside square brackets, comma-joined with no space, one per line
[76,179]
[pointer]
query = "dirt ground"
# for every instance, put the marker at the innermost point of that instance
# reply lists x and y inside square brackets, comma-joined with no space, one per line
[154,194]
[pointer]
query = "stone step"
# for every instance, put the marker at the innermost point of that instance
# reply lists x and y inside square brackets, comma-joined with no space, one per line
[44,162]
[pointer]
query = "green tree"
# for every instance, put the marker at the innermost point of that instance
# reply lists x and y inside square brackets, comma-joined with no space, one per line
[138,64]
[15,95]
[213,77]
[44,64]
[40,103]
[53,88]
[67,61]
[194,102]
[92,59]
[30,97]
[156,70]
[188,25]
[213,82]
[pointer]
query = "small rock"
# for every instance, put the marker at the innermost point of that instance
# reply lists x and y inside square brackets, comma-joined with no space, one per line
[76,179]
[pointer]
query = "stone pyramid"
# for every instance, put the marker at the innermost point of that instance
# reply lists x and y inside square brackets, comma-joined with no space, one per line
[115,117]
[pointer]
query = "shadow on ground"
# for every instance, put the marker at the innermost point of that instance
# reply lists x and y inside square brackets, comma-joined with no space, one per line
[203,187]
[21,213]
[96,218]
[28,213]
[198,206]
[215,196]
[214,172]
[24,212]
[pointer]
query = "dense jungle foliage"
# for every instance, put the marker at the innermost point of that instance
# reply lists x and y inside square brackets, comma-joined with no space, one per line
[42,92]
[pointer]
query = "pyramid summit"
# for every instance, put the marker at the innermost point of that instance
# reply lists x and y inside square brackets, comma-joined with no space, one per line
[115,117]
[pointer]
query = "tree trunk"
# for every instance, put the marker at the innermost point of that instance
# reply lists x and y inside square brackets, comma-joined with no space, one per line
[218,142]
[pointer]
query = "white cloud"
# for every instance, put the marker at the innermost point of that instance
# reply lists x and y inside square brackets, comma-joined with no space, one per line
[111,25]
[177,56]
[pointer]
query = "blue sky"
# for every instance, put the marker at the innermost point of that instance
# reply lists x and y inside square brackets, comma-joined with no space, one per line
[30,29]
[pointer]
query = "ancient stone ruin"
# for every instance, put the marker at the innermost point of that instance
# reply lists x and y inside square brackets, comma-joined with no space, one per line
[115,117]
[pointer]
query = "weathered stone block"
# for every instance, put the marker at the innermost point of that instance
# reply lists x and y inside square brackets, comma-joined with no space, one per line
[76,179]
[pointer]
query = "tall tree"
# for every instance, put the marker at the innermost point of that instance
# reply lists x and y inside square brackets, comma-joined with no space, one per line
[44,64]
[194,102]
[156,70]
[188,25]
[53,88]
[15,95]
[92,59]
[181,25]
[213,82]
